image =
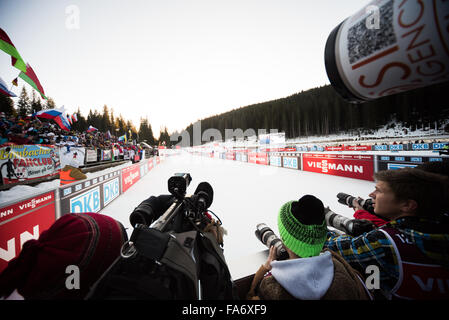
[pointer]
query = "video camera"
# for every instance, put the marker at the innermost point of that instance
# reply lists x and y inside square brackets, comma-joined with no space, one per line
[176,212]
[174,252]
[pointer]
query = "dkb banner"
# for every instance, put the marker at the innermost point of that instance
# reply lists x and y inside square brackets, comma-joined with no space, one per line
[90,195]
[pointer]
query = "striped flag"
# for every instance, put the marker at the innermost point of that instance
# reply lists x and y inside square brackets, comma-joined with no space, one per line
[91,129]
[7,46]
[30,77]
[4,89]
[74,117]
[122,138]
[58,115]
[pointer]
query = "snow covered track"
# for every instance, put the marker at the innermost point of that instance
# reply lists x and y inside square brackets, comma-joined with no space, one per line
[245,194]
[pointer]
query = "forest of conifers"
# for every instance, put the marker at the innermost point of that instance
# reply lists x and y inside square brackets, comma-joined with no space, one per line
[315,112]
[321,111]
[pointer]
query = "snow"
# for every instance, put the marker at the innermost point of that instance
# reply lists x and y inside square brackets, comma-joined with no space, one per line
[245,194]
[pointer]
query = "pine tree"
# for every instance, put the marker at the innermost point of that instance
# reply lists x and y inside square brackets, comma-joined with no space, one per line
[164,137]
[50,104]
[35,104]
[7,105]
[23,105]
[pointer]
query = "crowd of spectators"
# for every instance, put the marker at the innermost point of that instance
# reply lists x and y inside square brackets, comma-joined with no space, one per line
[32,130]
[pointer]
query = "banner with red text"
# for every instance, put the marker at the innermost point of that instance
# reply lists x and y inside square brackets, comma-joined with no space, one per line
[22,221]
[350,166]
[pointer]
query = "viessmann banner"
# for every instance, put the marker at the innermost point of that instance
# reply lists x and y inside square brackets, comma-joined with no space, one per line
[350,166]
[22,221]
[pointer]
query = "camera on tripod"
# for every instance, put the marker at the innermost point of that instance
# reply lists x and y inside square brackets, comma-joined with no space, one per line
[176,211]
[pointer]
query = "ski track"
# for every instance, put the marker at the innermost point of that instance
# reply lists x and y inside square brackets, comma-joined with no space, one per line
[245,194]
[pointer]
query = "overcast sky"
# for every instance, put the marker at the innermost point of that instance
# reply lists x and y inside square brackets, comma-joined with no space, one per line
[174,61]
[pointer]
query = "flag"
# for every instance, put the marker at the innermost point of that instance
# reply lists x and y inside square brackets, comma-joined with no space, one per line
[108,135]
[14,82]
[74,117]
[4,89]
[58,115]
[91,129]
[69,119]
[30,77]
[7,46]
[122,138]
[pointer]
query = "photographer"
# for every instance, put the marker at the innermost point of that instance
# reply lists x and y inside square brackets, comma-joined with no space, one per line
[413,246]
[360,213]
[308,273]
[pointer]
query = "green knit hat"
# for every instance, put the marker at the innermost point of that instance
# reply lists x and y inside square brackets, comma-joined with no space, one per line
[305,240]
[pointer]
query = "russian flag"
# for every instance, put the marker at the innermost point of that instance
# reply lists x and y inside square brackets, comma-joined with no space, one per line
[58,115]
[91,129]
[4,89]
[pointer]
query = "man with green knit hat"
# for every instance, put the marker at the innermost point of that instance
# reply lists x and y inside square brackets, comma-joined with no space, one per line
[309,273]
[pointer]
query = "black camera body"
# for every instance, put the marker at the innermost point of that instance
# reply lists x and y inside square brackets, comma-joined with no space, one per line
[176,211]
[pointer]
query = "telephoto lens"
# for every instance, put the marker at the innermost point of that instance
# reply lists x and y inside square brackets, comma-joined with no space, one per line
[378,51]
[269,238]
[345,198]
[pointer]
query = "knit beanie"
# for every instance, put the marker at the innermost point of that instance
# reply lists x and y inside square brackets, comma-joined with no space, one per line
[302,226]
[90,241]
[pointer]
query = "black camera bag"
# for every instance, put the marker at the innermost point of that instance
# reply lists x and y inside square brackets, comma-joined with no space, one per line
[158,265]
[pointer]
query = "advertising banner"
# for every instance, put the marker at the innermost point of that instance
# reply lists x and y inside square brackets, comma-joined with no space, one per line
[357,148]
[72,156]
[333,149]
[383,147]
[276,161]
[106,155]
[396,147]
[23,221]
[262,158]
[130,176]
[438,145]
[91,155]
[398,162]
[252,157]
[420,146]
[28,162]
[290,162]
[350,166]
[230,155]
[90,195]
